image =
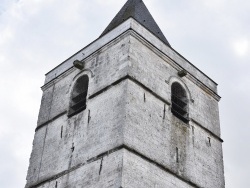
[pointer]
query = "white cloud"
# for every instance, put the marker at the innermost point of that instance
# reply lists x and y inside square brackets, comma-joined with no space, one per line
[5,35]
[241,47]
[2,58]
[215,4]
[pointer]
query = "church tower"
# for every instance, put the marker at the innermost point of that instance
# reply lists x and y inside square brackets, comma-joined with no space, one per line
[128,111]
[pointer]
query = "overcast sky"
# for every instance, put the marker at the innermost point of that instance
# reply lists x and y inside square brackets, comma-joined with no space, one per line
[37,35]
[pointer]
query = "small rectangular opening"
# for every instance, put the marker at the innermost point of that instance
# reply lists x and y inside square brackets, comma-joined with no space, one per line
[177,155]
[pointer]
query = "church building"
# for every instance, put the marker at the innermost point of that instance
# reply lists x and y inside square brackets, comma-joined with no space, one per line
[128,111]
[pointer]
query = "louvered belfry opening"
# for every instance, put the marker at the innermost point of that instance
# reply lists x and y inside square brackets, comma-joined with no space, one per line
[79,95]
[179,102]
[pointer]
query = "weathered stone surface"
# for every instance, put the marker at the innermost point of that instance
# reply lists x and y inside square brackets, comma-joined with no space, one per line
[46,102]
[36,156]
[152,71]
[103,172]
[72,141]
[107,65]
[156,135]
[127,136]
[139,173]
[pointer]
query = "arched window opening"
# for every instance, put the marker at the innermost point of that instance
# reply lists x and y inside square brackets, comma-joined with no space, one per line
[179,102]
[79,95]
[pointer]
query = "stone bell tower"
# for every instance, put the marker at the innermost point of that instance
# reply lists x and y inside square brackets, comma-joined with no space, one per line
[128,111]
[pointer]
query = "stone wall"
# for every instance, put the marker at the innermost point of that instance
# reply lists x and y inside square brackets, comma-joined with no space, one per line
[186,150]
[128,121]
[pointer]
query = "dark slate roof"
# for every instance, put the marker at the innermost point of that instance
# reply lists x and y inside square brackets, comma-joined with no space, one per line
[137,10]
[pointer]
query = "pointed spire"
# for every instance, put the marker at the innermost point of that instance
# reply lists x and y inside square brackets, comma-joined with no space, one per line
[137,10]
